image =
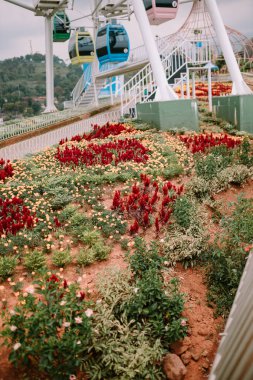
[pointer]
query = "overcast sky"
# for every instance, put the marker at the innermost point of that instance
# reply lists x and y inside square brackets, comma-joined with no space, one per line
[21,31]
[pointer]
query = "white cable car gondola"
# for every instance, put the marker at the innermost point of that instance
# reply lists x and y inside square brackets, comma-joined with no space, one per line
[160,11]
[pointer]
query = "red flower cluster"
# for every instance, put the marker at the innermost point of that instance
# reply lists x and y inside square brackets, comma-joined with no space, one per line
[14,216]
[6,169]
[141,203]
[200,143]
[99,132]
[118,151]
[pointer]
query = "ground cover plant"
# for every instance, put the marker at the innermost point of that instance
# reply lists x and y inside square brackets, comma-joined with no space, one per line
[136,197]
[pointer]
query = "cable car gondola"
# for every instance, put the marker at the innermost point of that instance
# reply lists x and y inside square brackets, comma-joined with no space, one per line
[112,44]
[81,47]
[61,32]
[160,11]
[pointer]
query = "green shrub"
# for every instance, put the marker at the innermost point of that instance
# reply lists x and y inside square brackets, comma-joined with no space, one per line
[101,251]
[90,237]
[7,266]
[61,258]
[34,260]
[198,187]
[226,262]
[183,211]
[207,167]
[157,307]
[49,331]
[86,257]
[145,258]
[234,175]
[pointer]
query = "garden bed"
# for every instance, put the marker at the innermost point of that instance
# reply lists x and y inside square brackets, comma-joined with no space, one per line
[123,230]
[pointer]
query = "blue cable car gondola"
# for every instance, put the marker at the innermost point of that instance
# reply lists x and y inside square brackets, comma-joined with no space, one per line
[81,47]
[61,32]
[112,44]
[160,11]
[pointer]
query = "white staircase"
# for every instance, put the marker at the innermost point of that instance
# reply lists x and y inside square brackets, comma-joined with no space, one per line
[142,86]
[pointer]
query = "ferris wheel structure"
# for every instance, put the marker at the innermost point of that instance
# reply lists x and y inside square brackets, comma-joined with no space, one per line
[204,25]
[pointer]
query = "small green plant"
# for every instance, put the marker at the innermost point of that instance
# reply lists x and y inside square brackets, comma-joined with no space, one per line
[61,258]
[34,260]
[145,258]
[86,257]
[124,244]
[90,237]
[101,251]
[183,211]
[50,329]
[7,266]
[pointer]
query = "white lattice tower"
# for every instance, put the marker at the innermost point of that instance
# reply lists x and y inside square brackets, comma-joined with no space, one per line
[198,26]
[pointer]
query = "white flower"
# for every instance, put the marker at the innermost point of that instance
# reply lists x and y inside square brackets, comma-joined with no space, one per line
[136,290]
[78,342]
[30,289]
[16,346]
[183,322]
[66,324]
[13,328]
[62,303]
[72,377]
[78,320]
[89,312]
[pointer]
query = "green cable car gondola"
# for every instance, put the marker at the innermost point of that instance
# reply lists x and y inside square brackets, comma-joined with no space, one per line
[61,32]
[81,47]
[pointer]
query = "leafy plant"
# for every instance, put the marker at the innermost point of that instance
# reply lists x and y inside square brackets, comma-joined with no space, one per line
[183,211]
[34,260]
[7,266]
[160,309]
[48,329]
[86,257]
[61,258]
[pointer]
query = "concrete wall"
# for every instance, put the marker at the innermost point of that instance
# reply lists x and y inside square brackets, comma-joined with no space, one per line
[236,109]
[173,114]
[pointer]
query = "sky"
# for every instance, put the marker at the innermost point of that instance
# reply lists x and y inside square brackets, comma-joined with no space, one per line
[22,33]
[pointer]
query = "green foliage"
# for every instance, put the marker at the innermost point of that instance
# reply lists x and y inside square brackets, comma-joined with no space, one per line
[233,175]
[7,266]
[86,257]
[61,258]
[90,237]
[209,166]
[227,259]
[158,308]
[22,81]
[145,258]
[183,211]
[101,251]
[246,153]
[198,188]
[120,351]
[108,222]
[34,260]
[49,330]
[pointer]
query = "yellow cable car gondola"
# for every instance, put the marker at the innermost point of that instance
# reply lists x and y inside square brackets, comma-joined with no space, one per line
[81,47]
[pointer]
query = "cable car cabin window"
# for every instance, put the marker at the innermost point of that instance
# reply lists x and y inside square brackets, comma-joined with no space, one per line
[72,47]
[101,43]
[118,41]
[166,3]
[60,27]
[147,4]
[85,45]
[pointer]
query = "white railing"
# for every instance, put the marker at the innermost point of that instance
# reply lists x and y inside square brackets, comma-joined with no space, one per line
[38,143]
[31,124]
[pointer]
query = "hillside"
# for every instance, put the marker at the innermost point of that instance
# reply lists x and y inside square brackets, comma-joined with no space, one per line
[23,84]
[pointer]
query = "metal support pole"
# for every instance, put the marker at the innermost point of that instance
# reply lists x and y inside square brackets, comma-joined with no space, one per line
[193,85]
[188,83]
[240,86]
[164,91]
[210,98]
[50,107]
